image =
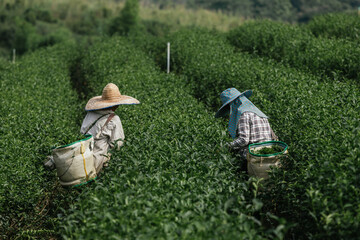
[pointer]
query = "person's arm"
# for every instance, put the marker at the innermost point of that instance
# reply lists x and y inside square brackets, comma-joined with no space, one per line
[243,137]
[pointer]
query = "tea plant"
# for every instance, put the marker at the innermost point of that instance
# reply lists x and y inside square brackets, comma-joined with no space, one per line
[269,150]
[38,109]
[318,187]
[297,47]
[336,25]
[4,64]
[174,178]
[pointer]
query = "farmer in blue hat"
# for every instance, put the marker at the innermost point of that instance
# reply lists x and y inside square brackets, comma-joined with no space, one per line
[247,123]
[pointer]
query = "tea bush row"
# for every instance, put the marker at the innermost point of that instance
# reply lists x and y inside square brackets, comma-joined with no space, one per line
[4,64]
[318,188]
[173,178]
[336,25]
[38,109]
[299,48]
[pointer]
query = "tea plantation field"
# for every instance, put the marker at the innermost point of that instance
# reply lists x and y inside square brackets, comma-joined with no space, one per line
[318,190]
[298,47]
[39,109]
[336,26]
[174,178]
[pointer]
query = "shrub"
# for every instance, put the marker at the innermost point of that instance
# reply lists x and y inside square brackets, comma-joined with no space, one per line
[56,36]
[156,28]
[293,45]
[38,109]
[128,19]
[173,178]
[318,187]
[336,25]
[4,57]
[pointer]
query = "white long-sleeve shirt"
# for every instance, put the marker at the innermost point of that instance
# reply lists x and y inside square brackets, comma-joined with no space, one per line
[112,134]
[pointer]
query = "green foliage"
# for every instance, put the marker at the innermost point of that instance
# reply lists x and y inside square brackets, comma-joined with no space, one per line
[269,38]
[89,23]
[269,150]
[3,60]
[30,38]
[39,109]
[318,187]
[27,29]
[32,15]
[128,19]
[173,178]
[336,25]
[76,136]
[56,36]
[297,47]
[283,10]
[25,37]
[156,28]
[154,46]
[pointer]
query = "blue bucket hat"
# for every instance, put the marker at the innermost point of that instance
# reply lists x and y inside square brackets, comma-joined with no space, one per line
[227,96]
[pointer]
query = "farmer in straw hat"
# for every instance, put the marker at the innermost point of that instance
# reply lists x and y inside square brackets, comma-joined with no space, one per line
[102,122]
[247,123]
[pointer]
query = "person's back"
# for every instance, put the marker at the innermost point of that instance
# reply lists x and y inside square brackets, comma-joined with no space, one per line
[251,129]
[107,134]
[247,124]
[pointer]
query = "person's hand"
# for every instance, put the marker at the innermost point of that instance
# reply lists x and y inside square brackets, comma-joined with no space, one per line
[49,163]
[230,146]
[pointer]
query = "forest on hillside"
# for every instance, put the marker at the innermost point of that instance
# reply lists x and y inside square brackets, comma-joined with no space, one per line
[28,25]
[286,10]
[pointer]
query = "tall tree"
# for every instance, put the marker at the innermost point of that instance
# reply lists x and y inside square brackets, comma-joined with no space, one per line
[128,20]
[274,9]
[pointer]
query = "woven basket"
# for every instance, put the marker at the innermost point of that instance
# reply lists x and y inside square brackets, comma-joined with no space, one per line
[258,165]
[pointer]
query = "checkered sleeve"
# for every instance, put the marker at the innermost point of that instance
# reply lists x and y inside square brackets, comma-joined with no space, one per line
[243,133]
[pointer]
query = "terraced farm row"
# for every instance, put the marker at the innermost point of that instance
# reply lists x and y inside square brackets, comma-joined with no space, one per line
[336,26]
[319,119]
[298,47]
[173,178]
[39,109]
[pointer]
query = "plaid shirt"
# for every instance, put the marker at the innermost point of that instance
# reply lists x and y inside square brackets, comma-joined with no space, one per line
[251,129]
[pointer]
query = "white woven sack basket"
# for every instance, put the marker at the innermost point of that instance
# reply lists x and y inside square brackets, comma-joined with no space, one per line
[259,165]
[75,162]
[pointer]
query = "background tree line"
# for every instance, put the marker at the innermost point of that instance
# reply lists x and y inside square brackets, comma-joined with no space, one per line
[285,10]
[28,25]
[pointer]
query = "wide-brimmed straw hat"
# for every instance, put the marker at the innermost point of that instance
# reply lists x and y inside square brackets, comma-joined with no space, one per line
[227,96]
[110,97]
